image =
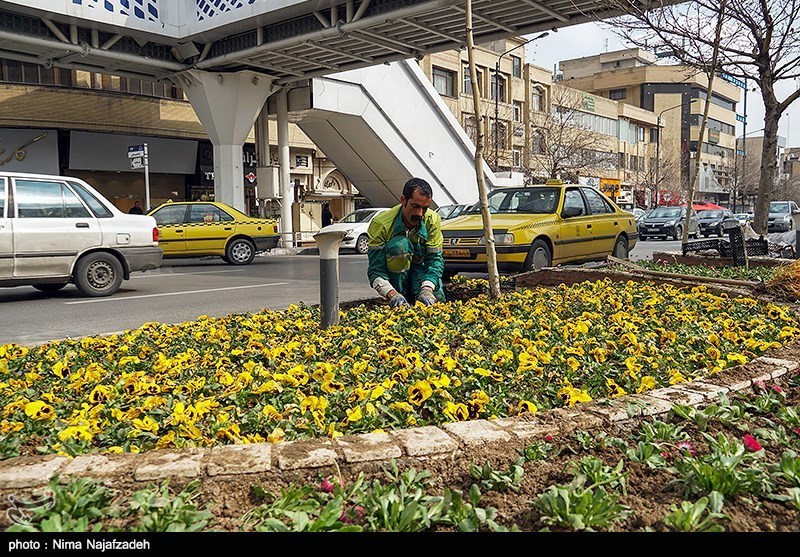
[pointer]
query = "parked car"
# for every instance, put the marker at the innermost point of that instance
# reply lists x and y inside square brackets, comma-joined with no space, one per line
[355,227]
[201,228]
[56,230]
[744,218]
[540,226]
[782,216]
[452,211]
[668,222]
[716,221]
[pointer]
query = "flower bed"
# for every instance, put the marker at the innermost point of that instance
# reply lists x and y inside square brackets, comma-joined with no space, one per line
[275,375]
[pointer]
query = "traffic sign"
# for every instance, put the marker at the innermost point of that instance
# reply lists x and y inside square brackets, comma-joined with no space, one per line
[135,151]
[137,162]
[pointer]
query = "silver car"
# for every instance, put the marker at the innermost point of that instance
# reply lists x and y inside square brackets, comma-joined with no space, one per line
[56,230]
[782,216]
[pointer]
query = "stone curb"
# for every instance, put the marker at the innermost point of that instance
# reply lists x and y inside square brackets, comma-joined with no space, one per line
[419,442]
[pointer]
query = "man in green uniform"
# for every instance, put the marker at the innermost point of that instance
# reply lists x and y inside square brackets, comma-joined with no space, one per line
[405,249]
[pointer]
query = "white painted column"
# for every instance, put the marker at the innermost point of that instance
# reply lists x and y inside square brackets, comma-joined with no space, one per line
[263,168]
[287,188]
[227,105]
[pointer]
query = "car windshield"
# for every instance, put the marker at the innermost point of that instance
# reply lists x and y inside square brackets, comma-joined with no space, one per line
[710,214]
[361,215]
[778,207]
[528,201]
[665,213]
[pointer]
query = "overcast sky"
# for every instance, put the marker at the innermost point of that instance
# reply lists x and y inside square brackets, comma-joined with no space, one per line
[590,38]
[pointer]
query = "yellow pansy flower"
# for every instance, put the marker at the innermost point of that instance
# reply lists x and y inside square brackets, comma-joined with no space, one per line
[354,414]
[39,410]
[419,392]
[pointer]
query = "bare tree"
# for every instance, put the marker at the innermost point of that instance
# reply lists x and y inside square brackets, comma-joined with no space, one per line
[562,143]
[491,253]
[759,43]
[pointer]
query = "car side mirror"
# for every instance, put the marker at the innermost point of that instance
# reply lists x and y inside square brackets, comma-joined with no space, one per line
[571,212]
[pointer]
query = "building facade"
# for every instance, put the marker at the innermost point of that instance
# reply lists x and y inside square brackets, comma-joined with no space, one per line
[542,129]
[58,121]
[677,95]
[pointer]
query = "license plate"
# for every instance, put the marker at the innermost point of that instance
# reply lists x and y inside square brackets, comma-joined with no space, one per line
[455,253]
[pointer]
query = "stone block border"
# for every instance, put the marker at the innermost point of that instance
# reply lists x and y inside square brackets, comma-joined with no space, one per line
[421,443]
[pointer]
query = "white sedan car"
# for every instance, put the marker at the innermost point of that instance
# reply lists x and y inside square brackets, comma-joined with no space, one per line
[355,227]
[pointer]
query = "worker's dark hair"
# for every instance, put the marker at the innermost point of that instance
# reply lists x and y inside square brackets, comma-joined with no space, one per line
[417,183]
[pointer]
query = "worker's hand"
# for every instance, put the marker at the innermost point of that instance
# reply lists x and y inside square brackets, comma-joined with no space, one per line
[426,296]
[397,300]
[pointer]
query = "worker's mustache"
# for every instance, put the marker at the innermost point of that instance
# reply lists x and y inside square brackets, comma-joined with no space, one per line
[416,218]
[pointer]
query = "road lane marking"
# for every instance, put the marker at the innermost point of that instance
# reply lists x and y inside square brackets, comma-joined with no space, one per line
[118,299]
[146,275]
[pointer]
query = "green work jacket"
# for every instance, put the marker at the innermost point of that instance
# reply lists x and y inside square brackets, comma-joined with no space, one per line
[406,258]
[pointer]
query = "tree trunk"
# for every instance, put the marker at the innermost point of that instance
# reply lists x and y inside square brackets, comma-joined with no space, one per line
[709,88]
[491,253]
[769,162]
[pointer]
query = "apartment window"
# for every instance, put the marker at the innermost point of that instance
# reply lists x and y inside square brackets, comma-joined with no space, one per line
[444,81]
[622,164]
[471,127]
[517,154]
[499,135]
[618,94]
[498,88]
[517,111]
[301,160]
[653,135]
[516,66]
[640,133]
[537,100]
[468,83]
[538,145]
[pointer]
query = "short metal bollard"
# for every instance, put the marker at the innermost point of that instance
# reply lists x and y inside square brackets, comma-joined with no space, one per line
[328,244]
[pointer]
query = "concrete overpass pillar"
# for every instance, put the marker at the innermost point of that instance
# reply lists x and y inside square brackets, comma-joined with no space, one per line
[287,188]
[227,105]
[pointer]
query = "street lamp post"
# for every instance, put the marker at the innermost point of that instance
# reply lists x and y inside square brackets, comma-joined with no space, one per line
[658,145]
[497,90]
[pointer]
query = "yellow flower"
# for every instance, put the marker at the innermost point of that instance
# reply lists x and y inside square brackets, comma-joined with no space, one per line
[527,406]
[402,406]
[736,358]
[146,424]
[419,392]
[276,436]
[271,413]
[39,410]
[573,363]
[648,383]
[456,412]
[79,432]
[354,414]
[614,389]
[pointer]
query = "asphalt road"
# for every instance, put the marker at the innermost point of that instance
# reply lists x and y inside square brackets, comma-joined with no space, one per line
[184,289]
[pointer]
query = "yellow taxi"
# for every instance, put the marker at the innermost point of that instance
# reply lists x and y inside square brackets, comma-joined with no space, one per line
[540,226]
[198,228]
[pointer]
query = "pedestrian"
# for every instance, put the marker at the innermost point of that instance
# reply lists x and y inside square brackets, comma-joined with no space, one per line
[327,216]
[405,249]
[136,209]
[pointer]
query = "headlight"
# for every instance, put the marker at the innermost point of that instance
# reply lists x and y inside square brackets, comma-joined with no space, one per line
[787,218]
[499,240]
[349,231]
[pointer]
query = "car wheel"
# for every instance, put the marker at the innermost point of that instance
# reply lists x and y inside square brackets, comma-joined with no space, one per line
[539,256]
[225,259]
[241,251]
[678,233]
[50,287]
[621,248]
[98,274]
[362,244]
